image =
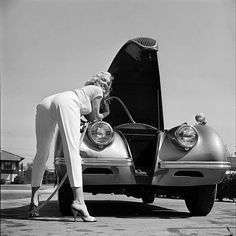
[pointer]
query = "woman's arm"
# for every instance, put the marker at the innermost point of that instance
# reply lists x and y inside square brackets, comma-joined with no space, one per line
[95,114]
[105,109]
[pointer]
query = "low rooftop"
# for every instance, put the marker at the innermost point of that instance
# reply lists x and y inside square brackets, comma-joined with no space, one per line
[8,156]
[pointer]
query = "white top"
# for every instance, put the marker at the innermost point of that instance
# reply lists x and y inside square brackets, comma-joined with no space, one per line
[86,95]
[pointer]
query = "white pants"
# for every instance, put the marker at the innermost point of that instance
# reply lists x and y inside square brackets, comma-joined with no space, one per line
[62,109]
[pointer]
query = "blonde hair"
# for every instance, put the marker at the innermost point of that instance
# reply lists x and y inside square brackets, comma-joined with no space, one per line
[98,76]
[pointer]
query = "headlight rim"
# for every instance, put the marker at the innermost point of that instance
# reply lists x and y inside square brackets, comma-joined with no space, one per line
[177,132]
[99,144]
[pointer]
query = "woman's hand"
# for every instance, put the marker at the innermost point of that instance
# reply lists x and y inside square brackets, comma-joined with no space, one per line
[106,107]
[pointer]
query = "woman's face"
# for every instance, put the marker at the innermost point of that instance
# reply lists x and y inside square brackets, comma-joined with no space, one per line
[104,84]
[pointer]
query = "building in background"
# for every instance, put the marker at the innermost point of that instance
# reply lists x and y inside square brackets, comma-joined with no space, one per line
[49,176]
[232,160]
[10,166]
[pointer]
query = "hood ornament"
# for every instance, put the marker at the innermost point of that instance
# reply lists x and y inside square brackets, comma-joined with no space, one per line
[201,119]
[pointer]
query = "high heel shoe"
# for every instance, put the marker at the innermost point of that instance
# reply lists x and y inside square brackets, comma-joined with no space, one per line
[32,212]
[81,209]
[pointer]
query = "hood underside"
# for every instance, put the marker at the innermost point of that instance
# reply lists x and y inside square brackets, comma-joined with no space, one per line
[137,84]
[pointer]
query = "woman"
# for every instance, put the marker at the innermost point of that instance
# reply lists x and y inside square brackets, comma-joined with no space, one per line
[65,110]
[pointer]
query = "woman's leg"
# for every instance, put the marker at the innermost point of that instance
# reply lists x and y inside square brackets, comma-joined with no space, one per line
[45,127]
[66,111]
[68,117]
[78,194]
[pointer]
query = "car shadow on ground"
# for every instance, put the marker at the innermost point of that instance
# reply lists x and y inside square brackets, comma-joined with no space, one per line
[131,209]
[99,208]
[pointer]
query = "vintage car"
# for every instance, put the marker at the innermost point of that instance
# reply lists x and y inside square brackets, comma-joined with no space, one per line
[131,152]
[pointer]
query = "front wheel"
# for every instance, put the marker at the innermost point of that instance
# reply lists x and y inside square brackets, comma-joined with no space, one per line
[200,200]
[148,197]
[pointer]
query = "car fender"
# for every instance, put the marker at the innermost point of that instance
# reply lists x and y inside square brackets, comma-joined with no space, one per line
[209,147]
[116,150]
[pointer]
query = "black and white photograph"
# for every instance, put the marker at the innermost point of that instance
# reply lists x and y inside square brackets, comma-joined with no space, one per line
[118,117]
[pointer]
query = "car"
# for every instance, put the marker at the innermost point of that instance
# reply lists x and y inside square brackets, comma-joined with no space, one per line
[18,180]
[130,152]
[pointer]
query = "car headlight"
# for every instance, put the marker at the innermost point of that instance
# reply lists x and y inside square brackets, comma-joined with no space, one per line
[186,136]
[100,133]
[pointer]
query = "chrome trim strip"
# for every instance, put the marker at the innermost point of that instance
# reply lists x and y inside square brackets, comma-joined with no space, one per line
[96,161]
[194,165]
[142,124]
[59,160]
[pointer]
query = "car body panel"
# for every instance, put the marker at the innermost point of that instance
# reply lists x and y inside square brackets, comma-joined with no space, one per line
[118,149]
[204,164]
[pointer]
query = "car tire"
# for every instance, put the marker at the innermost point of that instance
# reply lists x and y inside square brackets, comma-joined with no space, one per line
[65,198]
[200,200]
[148,197]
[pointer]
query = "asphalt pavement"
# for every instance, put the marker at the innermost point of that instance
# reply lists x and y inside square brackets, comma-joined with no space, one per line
[116,215]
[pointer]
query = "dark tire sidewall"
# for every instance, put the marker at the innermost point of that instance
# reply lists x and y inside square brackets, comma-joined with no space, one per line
[200,200]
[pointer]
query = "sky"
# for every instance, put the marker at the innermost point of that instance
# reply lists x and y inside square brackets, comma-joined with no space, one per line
[50,46]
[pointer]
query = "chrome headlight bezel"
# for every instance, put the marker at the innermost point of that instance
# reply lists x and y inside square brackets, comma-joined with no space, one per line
[106,133]
[186,136]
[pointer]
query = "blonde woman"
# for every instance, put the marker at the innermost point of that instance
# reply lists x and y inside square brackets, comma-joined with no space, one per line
[65,110]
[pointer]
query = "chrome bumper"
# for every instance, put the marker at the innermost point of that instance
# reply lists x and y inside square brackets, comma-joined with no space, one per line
[98,161]
[221,165]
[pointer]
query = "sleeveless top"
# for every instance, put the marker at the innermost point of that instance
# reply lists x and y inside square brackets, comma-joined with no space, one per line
[86,95]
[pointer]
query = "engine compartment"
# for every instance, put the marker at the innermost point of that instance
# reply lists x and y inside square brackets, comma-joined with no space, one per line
[142,140]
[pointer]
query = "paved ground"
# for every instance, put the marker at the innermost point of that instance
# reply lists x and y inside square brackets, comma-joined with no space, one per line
[116,215]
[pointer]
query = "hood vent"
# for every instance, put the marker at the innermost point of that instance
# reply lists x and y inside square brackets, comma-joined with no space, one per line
[146,42]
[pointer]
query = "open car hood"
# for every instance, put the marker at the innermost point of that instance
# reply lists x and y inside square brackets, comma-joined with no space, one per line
[137,84]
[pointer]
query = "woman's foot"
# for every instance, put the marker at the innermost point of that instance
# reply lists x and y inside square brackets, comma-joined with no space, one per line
[33,212]
[81,209]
